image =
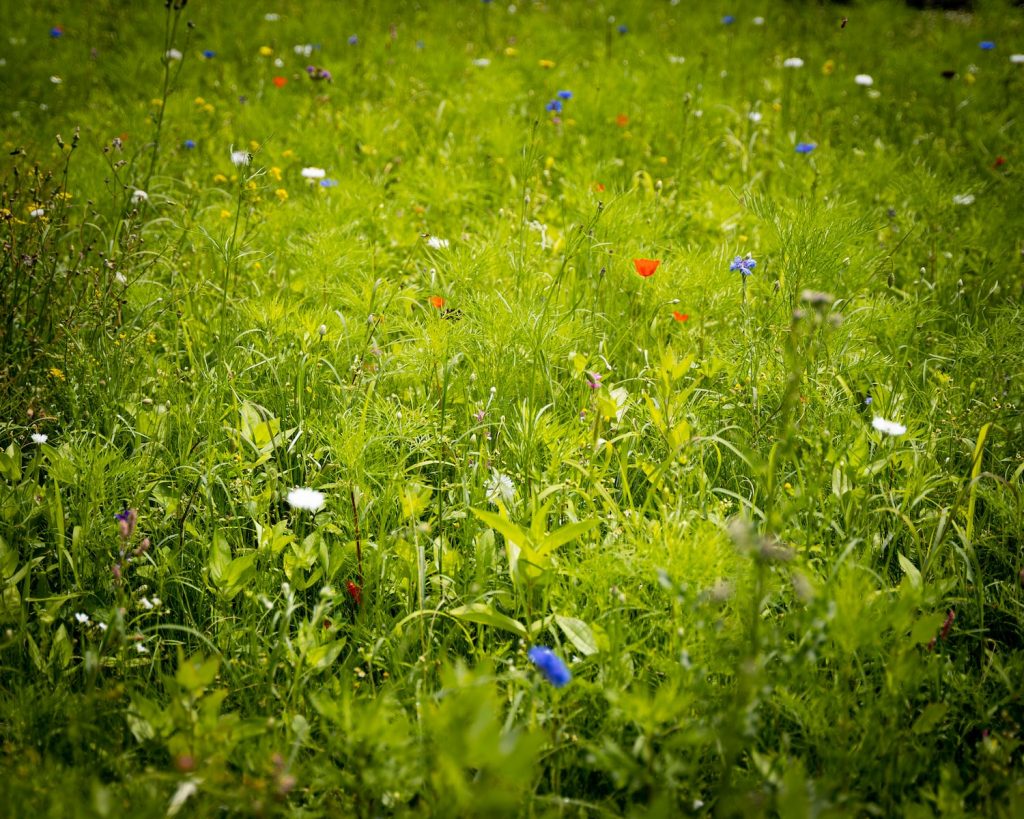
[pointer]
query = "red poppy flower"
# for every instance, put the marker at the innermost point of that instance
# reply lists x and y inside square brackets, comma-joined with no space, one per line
[354,592]
[280,82]
[1000,161]
[622,120]
[598,187]
[680,316]
[646,267]
[436,301]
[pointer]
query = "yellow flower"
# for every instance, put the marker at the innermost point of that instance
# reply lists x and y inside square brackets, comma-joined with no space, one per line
[208,108]
[776,107]
[220,179]
[828,68]
[254,146]
[281,194]
[200,101]
[250,185]
[151,338]
[288,153]
[266,51]
[546,63]
[57,373]
[549,163]
[64,195]
[511,52]
[6,215]
[225,214]
[276,173]
[156,103]
[969,78]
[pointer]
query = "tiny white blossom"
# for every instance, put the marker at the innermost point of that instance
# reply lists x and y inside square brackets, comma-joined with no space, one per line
[240,157]
[864,79]
[101,626]
[120,278]
[758,21]
[173,54]
[146,604]
[676,59]
[437,244]
[271,17]
[38,438]
[304,50]
[1017,59]
[82,617]
[139,196]
[792,62]
[313,173]
[308,499]
[35,214]
[139,647]
[754,116]
[888,427]
[481,62]
[963,199]
[56,80]
[500,487]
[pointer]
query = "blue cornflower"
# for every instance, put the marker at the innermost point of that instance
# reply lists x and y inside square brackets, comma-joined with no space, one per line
[805,147]
[209,54]
[565,95]
[57,31]
[550,665]
[623,29]
[555,106]
[867,400]
[986,45]
[728,20]
[353,40]
[190,144]
[744,264]
[328,183]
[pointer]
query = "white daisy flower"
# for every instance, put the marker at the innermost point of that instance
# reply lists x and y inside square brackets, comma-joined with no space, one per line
[758,21]
[35,214]
[437,244]
[308,499]
[1017,59]
[481,62]
[963,199]
[754,116]
[304,50]
[271,17]
[864,79]
[173,54]
[139,196]
[38,438]
[82,617]
[676,59]
[792,62]
[888,427]
[56,80]
[240,157]
[313,173]
[500,487]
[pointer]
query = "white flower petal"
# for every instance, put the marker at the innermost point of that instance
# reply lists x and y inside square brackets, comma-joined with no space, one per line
[308,499]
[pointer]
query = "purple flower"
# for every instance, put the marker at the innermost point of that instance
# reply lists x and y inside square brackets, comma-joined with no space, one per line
[805,147]
[744,264]
[555,106]
[594,381]
[728,20]
[550,665]
[353,40]
[318,74]
[328,183]
[623,29]
[190,144]
[480,415]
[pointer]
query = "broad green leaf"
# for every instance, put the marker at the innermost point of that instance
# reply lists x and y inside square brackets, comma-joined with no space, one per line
[910,570]
[931,716]
[579,634]
[510,531]
[567,533]
[485,615]
[237,574]
[926,627]
[197,672]
[323,656]
[60,649]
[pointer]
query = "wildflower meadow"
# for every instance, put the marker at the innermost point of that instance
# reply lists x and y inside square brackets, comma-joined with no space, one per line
[523,408]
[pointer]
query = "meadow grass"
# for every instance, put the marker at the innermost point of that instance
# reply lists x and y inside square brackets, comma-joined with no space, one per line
[769,524]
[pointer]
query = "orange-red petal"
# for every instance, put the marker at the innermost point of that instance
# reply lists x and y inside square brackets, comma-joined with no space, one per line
[646,267]
[280,82]
[436,301]
[680,316]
